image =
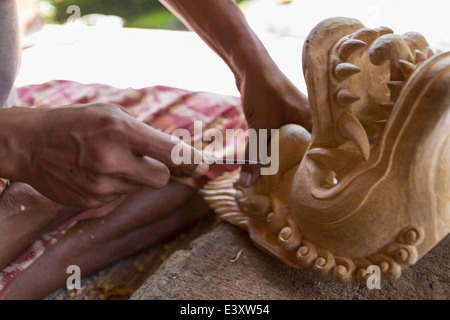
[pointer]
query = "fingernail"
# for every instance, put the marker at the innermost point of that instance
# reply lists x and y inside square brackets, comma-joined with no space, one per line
[208,158]
[245,179]
[201,169]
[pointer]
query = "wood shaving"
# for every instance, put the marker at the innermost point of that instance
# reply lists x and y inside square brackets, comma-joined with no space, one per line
[237,256]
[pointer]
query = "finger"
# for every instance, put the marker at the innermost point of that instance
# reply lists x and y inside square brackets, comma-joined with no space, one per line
[104,188]
[186,160]
[123,109]
[249,175]
[200,170]
[148,172]
[250,172]
[300,114]
[100,211]
[171,151]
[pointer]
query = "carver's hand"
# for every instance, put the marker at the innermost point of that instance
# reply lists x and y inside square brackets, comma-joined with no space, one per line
[269,98]
[270,101]
[88,155]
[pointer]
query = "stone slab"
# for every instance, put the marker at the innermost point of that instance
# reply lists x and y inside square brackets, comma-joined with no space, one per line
[212,269]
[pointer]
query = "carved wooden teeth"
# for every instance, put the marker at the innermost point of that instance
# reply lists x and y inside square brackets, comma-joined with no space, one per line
[396,88]
[419,57]
[345,70]
[392,48]
[349,47]
[383,30]
[365,34]
[381,124]
[388,106]
[406,68]
[396,84]
[335,159]
[350,128]
[415,41]
[345,97]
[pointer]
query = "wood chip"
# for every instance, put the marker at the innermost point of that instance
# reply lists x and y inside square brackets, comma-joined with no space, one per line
[237,256]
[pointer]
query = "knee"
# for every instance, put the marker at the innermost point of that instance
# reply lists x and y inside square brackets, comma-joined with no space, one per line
[14,196]
[6,87]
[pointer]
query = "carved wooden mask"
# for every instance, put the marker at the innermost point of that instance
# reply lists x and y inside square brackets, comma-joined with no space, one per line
[371,184]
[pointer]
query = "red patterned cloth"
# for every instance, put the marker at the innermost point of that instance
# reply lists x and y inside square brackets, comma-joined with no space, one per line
[163,108]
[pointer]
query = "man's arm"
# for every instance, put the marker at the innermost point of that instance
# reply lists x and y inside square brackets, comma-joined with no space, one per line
[223,27]
[81,156]
[269,99]
[9,47]
[87,155]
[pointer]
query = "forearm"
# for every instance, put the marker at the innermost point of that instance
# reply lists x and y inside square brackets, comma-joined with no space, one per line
[223,27]
[9,47]
[12,136]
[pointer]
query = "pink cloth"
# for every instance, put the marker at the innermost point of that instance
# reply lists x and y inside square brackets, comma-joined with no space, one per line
[161,107]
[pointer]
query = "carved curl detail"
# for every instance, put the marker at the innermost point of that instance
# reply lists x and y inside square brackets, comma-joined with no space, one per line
[390,259]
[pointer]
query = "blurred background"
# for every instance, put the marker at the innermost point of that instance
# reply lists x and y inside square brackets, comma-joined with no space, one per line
[282,17]
[134,13]
[140,43]
[149,14]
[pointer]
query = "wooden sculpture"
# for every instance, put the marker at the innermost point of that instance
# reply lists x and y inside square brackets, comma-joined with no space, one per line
[371,184]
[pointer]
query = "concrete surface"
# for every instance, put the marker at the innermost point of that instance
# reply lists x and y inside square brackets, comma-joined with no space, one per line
[206,271]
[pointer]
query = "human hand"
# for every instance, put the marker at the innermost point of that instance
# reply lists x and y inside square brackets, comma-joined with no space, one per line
[88,155]
[270,101]
[269,98]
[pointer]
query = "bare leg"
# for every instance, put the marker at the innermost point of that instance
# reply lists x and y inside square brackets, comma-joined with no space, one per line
[24,216]
[141,221]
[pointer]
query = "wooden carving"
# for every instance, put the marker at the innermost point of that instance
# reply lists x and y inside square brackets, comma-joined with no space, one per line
[371,184]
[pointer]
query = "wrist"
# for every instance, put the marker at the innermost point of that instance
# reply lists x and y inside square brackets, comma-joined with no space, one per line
[250,60]
[254,67]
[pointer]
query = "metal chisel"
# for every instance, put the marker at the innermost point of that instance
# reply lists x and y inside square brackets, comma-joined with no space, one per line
[212,160]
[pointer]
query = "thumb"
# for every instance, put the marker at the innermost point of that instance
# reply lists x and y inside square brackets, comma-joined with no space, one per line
[250,172]
[249,175]
[195,165]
